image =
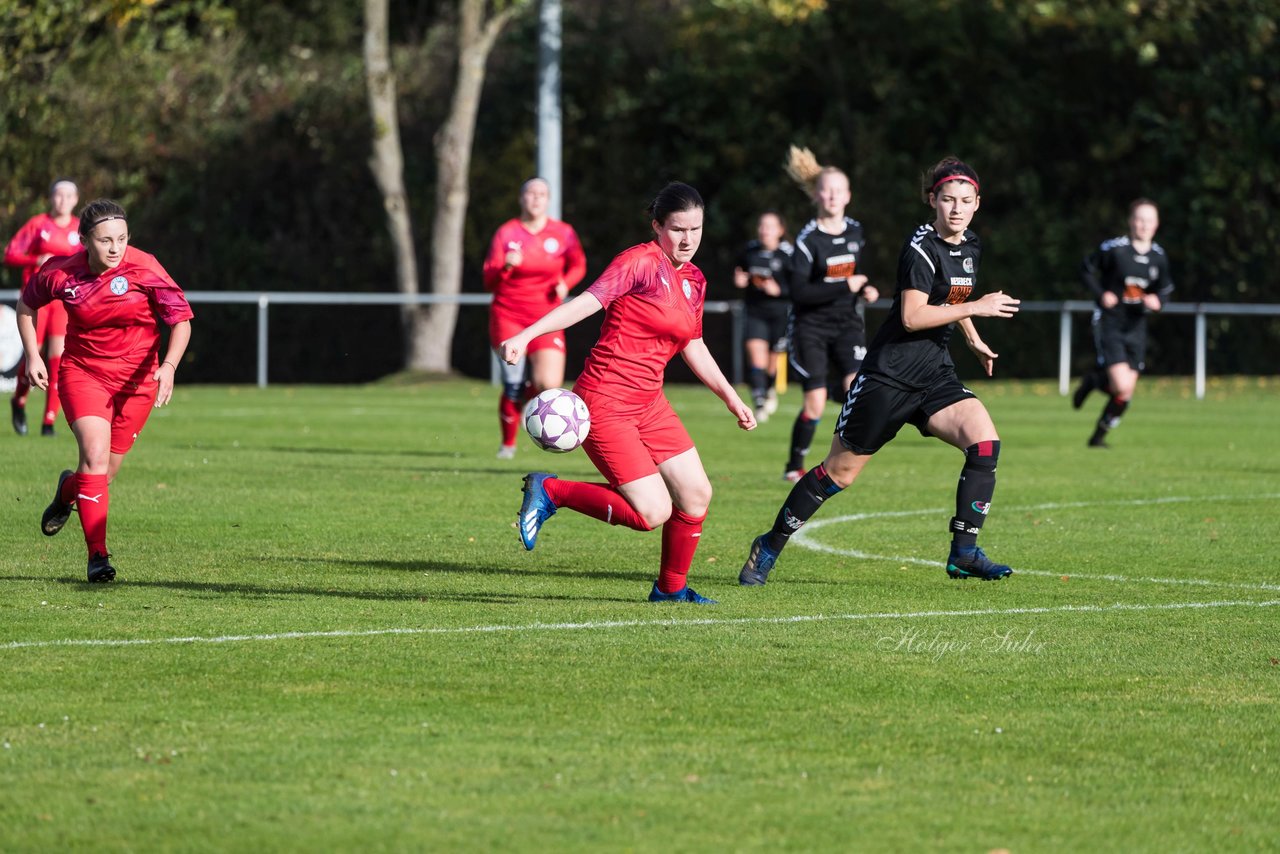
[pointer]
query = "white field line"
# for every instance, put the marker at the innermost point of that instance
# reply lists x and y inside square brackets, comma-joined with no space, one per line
[804,538]
[626,624]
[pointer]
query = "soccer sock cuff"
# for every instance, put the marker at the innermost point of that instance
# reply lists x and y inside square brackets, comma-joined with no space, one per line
[1111,413]
[973,492]
[801,438]
[597,500]
[805,498]
[509,419]
[680,537]
[93,498]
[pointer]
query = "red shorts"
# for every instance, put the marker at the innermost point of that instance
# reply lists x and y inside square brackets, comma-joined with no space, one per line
[502,326]
[126,405]
[627,441]
[51,319]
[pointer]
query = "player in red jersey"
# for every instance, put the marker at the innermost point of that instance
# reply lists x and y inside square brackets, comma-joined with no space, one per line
[112,375]
[49,235]
[652,297]
[533,262]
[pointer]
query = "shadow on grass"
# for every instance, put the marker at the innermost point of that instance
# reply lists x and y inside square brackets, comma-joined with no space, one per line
[211,589]
[453,568]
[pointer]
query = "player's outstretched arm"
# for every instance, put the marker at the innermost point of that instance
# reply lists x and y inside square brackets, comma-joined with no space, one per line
[561,317]
[179,337]
[917,314]
[37,373]
[704,366]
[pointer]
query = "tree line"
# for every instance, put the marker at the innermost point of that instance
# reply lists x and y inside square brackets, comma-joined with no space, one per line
[239,134]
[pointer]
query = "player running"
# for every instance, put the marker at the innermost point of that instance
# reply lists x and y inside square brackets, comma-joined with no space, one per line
[908,378]
[828,294]
[764,272]
[48,235]
[652,297]
[533,262]
[116,296]
[1129,278]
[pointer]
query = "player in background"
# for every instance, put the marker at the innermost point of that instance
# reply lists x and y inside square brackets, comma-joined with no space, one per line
[908,378]
[652,296]
[1129,278]
[764,272]
[48,235]
[112,376]
[533,262]
[828,293]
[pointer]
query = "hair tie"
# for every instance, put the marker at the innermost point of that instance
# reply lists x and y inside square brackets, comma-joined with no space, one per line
[957,177]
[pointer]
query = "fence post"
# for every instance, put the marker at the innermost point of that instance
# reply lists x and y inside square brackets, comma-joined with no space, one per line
[263,302]
[1200,351]
[1064,350]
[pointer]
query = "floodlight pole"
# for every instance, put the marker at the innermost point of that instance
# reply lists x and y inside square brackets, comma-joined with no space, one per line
[549,139]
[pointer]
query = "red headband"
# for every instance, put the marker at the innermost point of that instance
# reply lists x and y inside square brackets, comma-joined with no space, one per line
[954,178]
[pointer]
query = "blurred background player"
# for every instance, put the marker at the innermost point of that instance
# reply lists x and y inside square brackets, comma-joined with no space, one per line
[828,295]
[652,296]
[1129,278]
[112,376]
[764,272]
[908,378]
[48,235]
[533,262]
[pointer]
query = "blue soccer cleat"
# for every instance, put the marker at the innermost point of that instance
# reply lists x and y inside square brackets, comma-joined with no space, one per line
[974,563]
[684,594]
[535,509]
[755,572]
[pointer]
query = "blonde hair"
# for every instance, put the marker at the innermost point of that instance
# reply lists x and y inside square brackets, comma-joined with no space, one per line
[803,167]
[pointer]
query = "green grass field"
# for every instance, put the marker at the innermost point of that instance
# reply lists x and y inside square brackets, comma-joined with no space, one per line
[326,636]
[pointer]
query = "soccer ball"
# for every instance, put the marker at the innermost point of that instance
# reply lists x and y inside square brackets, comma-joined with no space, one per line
[557,420]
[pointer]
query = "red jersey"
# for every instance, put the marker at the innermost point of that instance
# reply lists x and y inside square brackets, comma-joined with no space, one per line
[41,236]
[528,291]
[651,312]
[114,318]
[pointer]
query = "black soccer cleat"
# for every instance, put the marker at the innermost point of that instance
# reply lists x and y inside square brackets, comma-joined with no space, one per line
[58,512]
[965,563]
[100,568]
[1087,384]
[19,417]
[47,430]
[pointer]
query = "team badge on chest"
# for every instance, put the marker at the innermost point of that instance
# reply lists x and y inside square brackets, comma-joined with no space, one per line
[119,286]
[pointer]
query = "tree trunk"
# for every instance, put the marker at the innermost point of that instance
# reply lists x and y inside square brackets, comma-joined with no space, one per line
[433,326]
[387,159]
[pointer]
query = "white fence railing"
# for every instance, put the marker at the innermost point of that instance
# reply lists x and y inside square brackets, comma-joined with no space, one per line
[1065,309]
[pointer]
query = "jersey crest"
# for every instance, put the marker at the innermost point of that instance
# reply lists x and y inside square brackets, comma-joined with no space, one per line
[119,286]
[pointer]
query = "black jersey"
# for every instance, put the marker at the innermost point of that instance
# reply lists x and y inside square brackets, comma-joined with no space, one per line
[1129,274]
[820,270]
[948,273]
[760,264]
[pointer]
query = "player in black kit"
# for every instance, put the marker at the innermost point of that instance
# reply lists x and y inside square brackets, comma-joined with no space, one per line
[764,271]
[1129,278]
[827,295]
[908,378]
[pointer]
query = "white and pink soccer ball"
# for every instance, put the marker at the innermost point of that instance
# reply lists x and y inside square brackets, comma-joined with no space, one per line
[557,420]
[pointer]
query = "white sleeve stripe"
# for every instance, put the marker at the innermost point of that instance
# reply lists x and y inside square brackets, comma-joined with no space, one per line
[925,256]
[805,249]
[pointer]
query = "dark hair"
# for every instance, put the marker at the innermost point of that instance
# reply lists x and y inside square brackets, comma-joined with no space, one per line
[98,211]
[782,221]
[1139,202]
[673,198]
[948,168]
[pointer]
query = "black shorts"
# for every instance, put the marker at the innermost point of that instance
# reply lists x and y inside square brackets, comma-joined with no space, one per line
[1118,343]
[814,351]
[875,411]
[766,325]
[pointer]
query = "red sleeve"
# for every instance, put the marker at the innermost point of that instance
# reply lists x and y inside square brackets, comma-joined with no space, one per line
[38,290]
[495,272]
[623,275]
[575,260]
[169,300]
[18,253]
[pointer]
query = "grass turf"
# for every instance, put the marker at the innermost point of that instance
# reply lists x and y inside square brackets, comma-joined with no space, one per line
[861,700]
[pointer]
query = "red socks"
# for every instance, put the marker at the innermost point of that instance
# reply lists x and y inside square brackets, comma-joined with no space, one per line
[22,387]
[597,500]
[51,393]
[509,417]
[92,500]
[680,536]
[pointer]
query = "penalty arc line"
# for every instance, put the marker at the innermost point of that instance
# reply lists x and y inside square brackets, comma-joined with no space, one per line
[624,624]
